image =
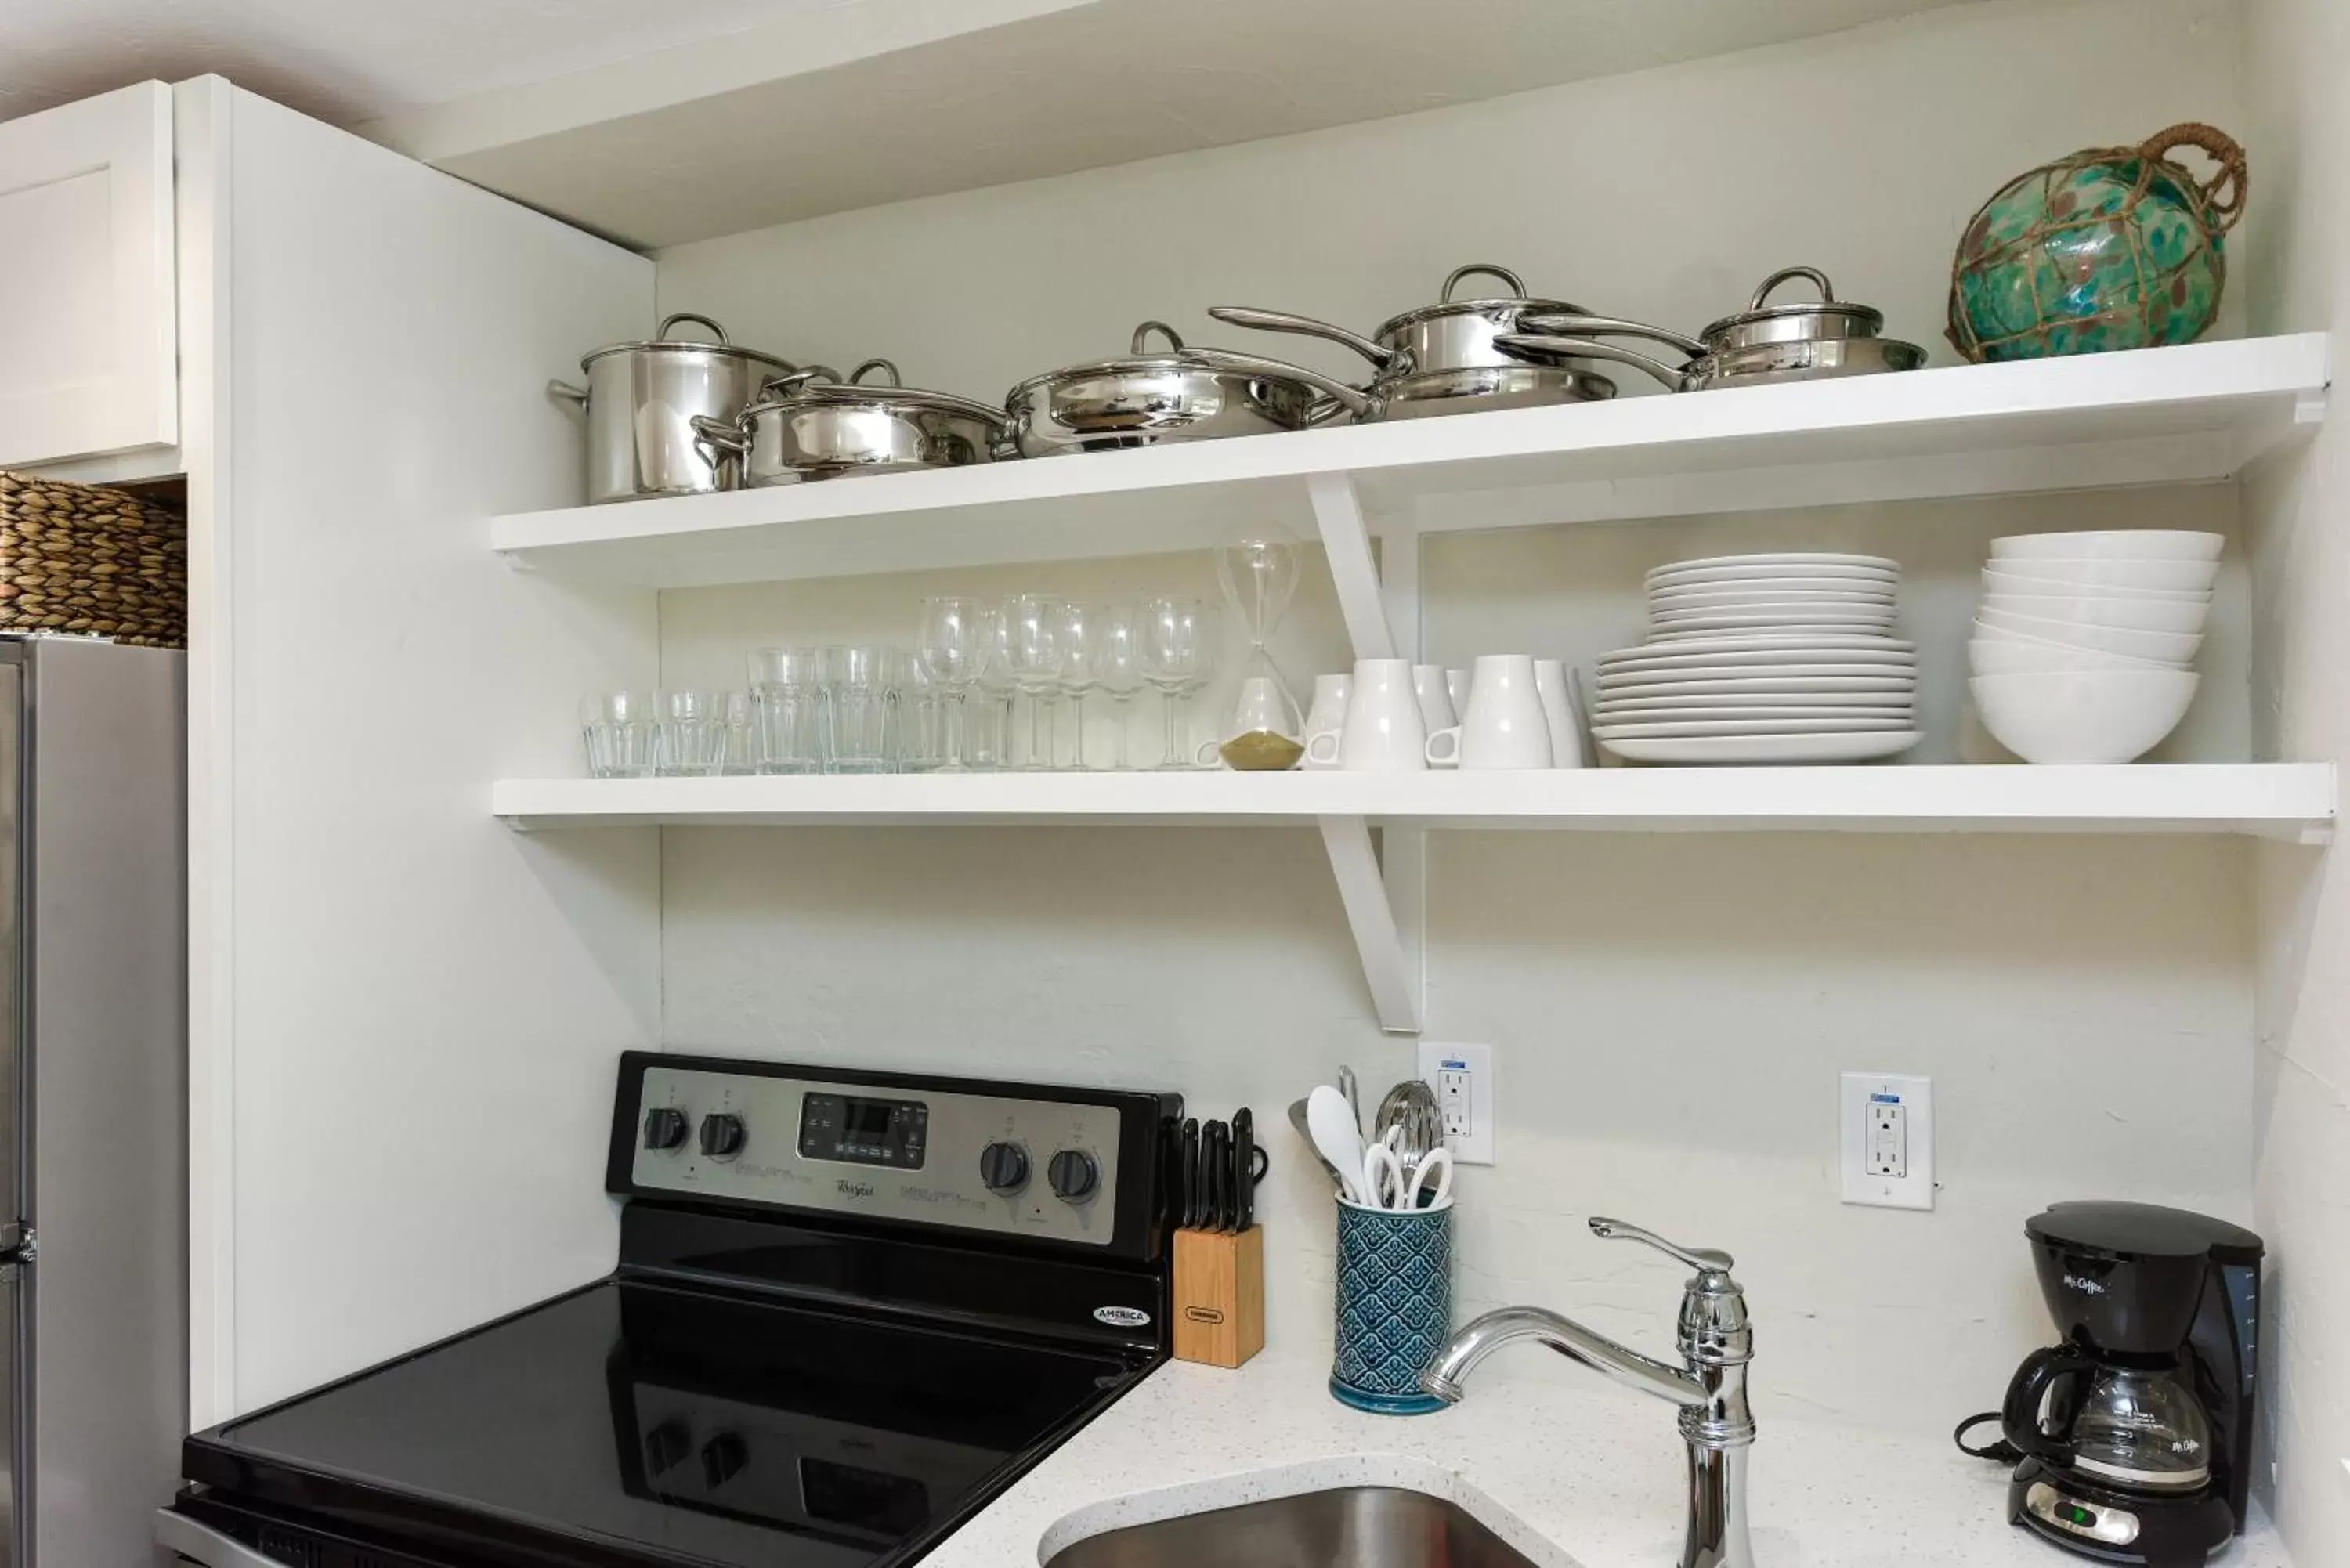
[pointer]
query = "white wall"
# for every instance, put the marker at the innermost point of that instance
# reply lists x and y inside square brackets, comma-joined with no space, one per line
[2296,511]
[1671,1011]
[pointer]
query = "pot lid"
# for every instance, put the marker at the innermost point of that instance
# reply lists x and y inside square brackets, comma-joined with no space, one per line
[820,386]
[1182,361]
[660,342]
[1862,321]
[1516,299]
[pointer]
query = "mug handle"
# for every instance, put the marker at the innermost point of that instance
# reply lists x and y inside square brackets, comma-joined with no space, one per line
[1210,754]
[1452,756]
[1313,742]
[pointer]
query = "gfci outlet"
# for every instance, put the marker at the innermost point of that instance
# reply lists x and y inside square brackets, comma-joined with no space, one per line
[1462,1078]
[1886,1135]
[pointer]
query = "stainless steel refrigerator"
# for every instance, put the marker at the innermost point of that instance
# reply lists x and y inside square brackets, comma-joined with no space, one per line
[93,1012]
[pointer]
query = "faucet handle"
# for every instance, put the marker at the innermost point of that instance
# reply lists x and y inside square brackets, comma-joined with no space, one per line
[1705,1260]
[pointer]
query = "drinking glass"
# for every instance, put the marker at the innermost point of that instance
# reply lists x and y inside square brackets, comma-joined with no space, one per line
[999,689]
[921,721]
[1118,669]
[742,733]
[857,710]
[786,696]
[1082,634]
[618,727]
[951,651]
[1033,644]
[1178,653]
[688,733]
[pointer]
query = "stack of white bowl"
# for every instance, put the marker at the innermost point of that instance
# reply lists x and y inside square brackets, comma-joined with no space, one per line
[1785,657]
[2084,645]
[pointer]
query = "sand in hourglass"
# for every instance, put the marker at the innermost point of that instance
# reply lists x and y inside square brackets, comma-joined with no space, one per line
[1260,751]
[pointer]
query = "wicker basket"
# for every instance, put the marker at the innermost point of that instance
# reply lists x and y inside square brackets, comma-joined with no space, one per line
[83,560]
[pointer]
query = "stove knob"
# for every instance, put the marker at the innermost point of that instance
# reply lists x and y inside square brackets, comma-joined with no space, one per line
[666,1444]
[722,1458]
[1004,1166]
[664,1129]
[722,1136]
[1074,1174]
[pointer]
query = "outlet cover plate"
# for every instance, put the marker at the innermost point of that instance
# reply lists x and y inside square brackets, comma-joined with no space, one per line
[1462,1077]
[1867,1102]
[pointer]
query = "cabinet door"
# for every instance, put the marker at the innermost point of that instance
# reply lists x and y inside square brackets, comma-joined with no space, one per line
[88,331]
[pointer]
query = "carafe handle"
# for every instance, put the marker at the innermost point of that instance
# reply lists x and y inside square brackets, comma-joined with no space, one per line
[2019,1417]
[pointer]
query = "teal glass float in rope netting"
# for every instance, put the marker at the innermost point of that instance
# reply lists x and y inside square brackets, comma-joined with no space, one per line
[2114,248]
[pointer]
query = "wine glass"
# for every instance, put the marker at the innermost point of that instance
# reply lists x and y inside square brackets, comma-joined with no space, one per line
[998,686]
[1081,636]
[1118,668]
[1178,652]
[952,653]
[1034,643]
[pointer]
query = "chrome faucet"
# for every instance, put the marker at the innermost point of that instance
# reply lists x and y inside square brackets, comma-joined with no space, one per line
[1715,1344]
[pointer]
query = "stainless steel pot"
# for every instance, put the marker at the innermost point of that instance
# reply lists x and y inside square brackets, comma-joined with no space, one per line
[1446,358]
[1184,394]
[814,425]
[1763,343]
[641,400]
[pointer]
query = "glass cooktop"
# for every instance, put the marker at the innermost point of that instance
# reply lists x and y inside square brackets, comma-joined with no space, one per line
[650,1422]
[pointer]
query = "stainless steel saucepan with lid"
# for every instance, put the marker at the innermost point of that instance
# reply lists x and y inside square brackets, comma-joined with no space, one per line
[813,424]
[642,397]
[1806,342]
[1446,358]
[1182,394]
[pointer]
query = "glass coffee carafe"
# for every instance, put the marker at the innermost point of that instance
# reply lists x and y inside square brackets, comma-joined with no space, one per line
[2128,1424]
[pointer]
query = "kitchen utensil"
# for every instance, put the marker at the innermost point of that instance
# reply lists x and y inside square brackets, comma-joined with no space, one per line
[1352,1088]
[810,424]
[1182,394]
[617,729]
[1429,1185]
[1190,1186]
[1435,703]
[689,732]
[1748,750]
[1810,341]
[1504,727]
[2111,545]
[1409,1122]
[1338,1137]
[1382,732]
[1298,1119]
[1258,565]
[1562,712]
[1383,1179]
[1246,1172]
[1441,358]
[642,397]
[2084,715]
[1212,1176]
[1178,651]
[1394,1301]
[2113,247]
[1329,710]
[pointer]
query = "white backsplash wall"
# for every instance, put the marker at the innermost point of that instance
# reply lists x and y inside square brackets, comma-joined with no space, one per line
[1670,1012]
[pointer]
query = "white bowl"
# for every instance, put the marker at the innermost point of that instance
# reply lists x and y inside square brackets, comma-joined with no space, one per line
[2176,575]
[2173,648]
[2133,615]
[1997,581]
[2084,715]
[2111,545]
[2019,656]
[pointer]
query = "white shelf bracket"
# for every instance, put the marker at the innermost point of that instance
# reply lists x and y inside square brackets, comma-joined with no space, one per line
[1346,541]
[1395,987]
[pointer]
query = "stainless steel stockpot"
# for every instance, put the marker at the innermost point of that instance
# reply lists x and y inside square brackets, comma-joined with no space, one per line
[641,400]
[814,425]
[1184,394]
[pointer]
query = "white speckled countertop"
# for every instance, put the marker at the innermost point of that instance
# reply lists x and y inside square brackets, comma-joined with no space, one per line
[1574,1477]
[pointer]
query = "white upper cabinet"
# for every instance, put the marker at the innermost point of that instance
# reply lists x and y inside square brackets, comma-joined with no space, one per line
[87,330]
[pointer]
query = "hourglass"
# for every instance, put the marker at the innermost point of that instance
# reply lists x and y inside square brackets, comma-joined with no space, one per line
[1258,565]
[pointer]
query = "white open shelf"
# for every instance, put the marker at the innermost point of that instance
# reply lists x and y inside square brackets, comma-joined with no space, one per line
[2195,412]
[2292,801]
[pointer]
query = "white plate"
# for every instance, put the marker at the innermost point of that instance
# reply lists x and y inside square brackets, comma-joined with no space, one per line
[1778,561]
[1710,627]
[1768,593]
[1702,748]
[1761,705]
[1641,729]
[1804,677]
[1821,612]
[1805,647]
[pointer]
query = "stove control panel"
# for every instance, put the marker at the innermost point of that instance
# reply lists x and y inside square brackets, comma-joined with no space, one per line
[988,1162]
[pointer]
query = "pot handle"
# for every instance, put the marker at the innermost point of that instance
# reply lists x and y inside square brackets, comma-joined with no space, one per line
[1351,399]
[2223,194]
[567,392]
[721,442]
[1452,279]
[857,375]
[1674,378]
[1304,326]
[1567,326]
[1141,343]
[1819,280]
[792,382]
[672,320]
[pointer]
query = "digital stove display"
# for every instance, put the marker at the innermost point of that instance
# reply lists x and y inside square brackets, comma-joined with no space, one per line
[864,1131]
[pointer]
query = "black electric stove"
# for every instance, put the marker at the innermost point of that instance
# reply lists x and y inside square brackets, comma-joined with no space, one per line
[850,1308]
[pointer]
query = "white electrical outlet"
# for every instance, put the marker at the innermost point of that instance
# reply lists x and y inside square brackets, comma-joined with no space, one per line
[1462,1077]
[1886,1139]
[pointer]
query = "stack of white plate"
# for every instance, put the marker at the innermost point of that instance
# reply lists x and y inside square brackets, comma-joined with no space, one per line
[1764,658]
[2084,645]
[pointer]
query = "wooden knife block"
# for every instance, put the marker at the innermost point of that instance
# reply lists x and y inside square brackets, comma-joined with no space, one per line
[1219,1295]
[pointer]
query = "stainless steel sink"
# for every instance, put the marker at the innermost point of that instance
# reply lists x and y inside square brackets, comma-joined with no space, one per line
[1347,1527]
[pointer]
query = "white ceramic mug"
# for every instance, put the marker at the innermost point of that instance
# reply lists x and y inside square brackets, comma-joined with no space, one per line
[1456,686]
[1504,727]
[1436,710]
[1562,712]
[1329,709]
[1382,733]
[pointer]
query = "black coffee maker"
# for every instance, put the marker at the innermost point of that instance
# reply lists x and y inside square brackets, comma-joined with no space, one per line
[2134,1436]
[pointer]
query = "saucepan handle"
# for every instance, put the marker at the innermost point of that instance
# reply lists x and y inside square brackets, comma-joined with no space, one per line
[1304,326]
[1524,344]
